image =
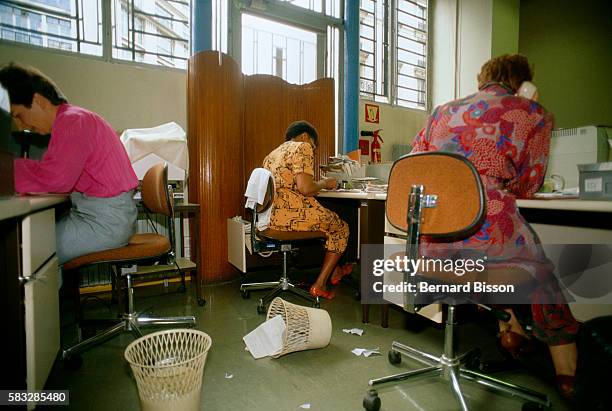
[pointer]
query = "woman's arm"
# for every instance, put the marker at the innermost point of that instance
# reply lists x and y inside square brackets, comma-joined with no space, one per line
[307,186]
[533,158]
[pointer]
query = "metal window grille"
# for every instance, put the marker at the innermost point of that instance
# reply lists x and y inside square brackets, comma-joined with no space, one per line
[153,31]
[393,51]
[373,48]
[327,7]
[70,25]
[411,53]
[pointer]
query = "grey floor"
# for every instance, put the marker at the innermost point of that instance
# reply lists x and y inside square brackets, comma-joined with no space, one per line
[331,378]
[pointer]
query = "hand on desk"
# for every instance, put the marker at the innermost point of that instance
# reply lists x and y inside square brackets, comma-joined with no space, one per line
[329,183]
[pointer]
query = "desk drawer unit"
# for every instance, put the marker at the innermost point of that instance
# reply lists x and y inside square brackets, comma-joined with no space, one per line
[38,240]
[41,297]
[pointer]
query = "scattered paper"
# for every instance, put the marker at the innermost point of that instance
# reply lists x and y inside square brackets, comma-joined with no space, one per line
[229,376]
[305,406]
[365,352]
[356,331]
[267,339]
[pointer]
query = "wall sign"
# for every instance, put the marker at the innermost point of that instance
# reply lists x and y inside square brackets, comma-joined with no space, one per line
[372,113]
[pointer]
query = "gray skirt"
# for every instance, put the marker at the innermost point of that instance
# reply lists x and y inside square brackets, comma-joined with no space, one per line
[95,224]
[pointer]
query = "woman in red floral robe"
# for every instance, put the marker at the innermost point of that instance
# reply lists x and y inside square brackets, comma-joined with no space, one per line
[507,138]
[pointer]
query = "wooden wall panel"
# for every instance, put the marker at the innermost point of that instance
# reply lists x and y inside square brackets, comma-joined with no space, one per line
[234,121]
[271,104]
[215,130]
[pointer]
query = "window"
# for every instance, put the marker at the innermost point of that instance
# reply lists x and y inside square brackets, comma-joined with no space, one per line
[71,25]
[278,49]
[393,52]
[152,31]
[332,7]
[148,31]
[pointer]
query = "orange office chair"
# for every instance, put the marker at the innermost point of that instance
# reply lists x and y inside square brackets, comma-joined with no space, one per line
[276,240]
[448,204]
[141,248]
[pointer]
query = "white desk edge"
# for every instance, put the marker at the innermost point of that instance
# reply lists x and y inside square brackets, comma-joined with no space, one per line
[566,205]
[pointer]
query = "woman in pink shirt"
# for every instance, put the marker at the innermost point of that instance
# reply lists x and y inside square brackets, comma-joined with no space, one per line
[85,158]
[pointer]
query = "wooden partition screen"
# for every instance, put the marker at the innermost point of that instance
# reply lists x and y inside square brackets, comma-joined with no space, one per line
[234,121]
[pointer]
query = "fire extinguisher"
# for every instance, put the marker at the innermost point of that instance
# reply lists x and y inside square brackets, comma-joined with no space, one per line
[375,148]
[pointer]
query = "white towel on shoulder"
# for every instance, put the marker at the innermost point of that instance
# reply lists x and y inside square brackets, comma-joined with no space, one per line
[256,193]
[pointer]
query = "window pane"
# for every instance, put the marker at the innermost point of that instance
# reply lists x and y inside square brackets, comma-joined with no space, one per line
[411,51]
[154,31]
[373,48]
[278,49]
[61,24]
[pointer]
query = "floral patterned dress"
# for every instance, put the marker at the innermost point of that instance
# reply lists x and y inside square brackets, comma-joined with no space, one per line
[507,138]
[292,211]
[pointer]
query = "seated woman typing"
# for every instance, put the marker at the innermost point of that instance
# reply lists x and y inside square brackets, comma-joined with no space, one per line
[295,209]
[507,138]
[85,158]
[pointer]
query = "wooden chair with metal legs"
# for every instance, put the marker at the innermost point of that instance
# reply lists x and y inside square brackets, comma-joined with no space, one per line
[141,248]
[441,195]
[272,241]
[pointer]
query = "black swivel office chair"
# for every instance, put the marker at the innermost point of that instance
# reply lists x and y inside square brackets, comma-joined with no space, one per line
[447,204]
[272,241]
[141,248]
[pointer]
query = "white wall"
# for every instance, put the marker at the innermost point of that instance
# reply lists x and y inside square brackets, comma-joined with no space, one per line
[461,43]
[399,125]
[128,96]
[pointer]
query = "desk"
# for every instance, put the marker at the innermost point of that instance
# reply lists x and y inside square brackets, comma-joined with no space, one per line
[26,364]
[564,221]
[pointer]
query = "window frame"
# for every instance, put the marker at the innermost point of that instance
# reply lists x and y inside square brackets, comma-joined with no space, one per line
[391,63]
[106,42]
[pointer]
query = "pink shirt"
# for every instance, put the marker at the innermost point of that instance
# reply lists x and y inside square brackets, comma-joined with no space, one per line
[84,155]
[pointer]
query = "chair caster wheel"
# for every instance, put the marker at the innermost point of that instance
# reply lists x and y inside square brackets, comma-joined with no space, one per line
[201,302]
[246,294]
[371,401]
[261,309]
[533,406]
[73,363]
[316,304]
[394,357]
[181,289]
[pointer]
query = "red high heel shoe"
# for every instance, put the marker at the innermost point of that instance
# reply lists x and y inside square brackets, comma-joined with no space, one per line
[565,385]
[345,270]
[317,292]
[516,344]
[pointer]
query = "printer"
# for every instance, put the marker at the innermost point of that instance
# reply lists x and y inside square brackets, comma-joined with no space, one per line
[570,147]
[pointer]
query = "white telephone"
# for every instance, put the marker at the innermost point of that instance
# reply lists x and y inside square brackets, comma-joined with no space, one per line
[528,90]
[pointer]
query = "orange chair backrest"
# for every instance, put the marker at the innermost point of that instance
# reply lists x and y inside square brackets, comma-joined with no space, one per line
[154,190]
[460,208]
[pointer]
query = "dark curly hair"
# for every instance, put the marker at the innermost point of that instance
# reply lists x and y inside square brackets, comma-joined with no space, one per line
[298,127]
[22,82]
[508,69]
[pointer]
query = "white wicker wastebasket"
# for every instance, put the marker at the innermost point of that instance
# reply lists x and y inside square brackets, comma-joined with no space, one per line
[168,367]
[307,328]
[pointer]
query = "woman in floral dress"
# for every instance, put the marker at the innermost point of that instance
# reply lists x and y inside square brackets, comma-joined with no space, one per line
[507,138]
[295,208]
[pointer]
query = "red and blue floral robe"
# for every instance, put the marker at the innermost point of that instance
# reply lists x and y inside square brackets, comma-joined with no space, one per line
[507,138]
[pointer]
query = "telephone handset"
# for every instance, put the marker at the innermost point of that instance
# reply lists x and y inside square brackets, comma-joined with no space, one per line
[528,90]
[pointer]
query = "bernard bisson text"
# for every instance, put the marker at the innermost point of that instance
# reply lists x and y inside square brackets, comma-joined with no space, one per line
[425,287]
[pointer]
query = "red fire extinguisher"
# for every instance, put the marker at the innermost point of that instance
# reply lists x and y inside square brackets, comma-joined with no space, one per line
[375,147]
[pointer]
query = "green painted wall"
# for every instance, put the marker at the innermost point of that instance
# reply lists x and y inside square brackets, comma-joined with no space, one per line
[570,45]
[505,27]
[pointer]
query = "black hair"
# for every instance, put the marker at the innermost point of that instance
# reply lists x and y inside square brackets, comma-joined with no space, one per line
[22,82]
[302,126]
